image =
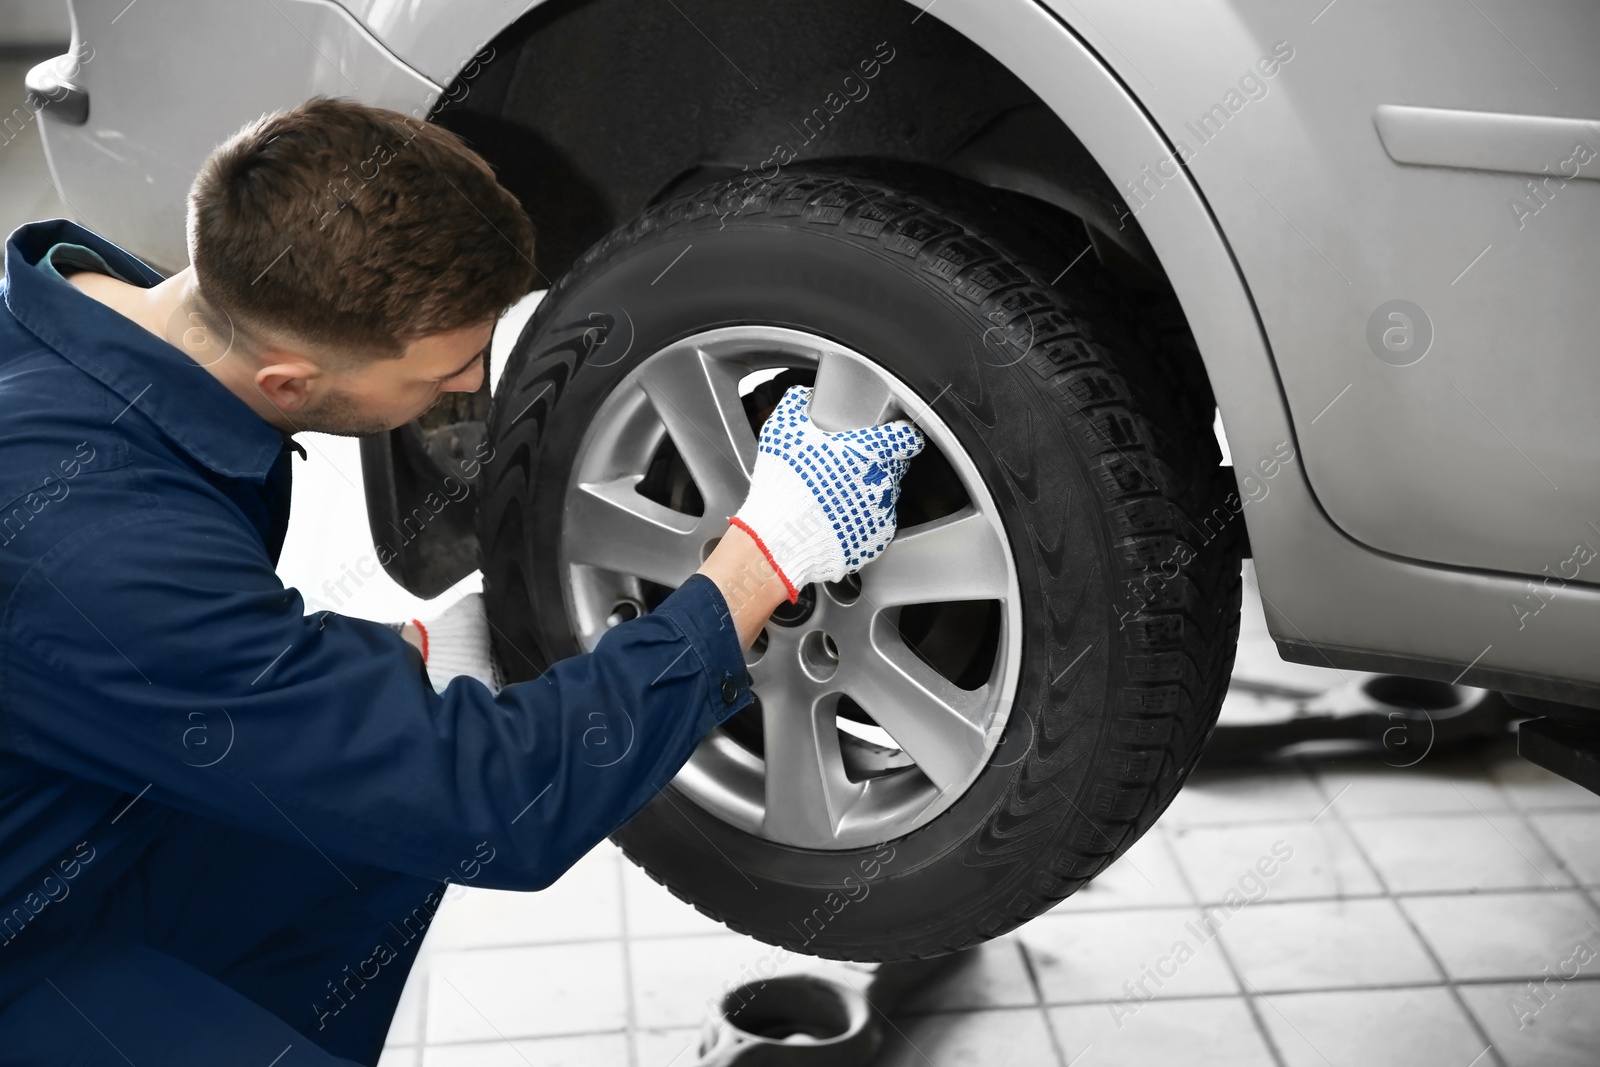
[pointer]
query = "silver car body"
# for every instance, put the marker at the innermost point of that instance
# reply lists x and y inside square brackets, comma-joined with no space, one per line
[1383,231]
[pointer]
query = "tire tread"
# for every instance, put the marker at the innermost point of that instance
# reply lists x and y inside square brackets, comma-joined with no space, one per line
[1121,367]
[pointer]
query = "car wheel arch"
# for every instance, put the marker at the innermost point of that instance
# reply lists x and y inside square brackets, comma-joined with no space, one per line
[1105,131]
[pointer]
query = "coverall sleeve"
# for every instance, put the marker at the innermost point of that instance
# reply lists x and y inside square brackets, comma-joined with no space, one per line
[150,651]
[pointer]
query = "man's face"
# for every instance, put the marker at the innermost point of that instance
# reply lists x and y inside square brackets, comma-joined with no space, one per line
[387,393]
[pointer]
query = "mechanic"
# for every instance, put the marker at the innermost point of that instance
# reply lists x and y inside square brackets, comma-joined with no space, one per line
[225,823]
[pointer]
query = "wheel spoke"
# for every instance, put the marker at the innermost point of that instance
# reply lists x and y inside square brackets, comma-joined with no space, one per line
[936,722]
[777,668]
[697,399]
[806,789]
[849,394]
[958,557]
[630,533]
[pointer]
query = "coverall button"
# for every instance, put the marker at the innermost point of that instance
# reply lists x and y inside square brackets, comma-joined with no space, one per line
[730,689]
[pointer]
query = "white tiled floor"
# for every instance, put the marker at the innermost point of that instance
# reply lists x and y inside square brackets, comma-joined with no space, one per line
[1505,935]
[1094,957]
[1403,929]
[1575,837]
[1564,1032]
[1326,944]
[1324,861]
[1408,915]
[1210,1031]
[1420,1027]
[1441,852]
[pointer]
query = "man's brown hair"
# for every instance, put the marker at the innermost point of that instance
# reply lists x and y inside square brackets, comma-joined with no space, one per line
[356,230]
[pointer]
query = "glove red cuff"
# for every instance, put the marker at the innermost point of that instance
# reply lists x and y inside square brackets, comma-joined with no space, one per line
[794,594]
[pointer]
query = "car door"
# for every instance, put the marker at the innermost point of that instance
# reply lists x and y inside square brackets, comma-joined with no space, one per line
[1425,278]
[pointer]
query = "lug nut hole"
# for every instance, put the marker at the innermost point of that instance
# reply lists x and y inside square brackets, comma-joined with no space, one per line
[624,610]
[846,590]
[819,656]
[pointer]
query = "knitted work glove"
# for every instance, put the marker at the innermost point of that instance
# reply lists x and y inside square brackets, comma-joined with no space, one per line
[821,504]
[457,642]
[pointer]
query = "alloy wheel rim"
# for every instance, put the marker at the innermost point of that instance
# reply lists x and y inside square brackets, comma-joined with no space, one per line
[861,739]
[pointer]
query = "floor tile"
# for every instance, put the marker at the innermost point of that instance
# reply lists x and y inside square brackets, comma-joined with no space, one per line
[1440,784]
[1324,944]
[1015,1038]
[399,1056]
[584,904]
[1564,1032]
[1575,836]
[479,994]
[1371,1028]
[1531,787]
[666,1048]
[1098,956]
[1456,852]
[1503,935]
[992,975]
[679,981]
[1146,875]
[654,912]
[1244,795]
[588,1050]
[1311,860]
[1203,1032]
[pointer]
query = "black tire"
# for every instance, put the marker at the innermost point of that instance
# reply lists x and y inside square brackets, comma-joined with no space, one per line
[1094,440]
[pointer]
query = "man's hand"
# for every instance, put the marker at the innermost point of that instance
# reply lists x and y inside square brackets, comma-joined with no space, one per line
[456,642]
[749,582]
[821,506]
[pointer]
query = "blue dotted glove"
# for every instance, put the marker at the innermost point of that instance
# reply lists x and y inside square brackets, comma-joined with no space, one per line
[821,504]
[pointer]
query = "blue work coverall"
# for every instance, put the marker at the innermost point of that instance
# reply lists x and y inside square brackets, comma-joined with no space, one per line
[225,823]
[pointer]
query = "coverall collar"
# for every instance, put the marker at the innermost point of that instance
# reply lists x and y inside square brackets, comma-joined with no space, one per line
[195,410]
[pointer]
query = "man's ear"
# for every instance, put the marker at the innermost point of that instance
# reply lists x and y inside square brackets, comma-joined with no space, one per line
[286,378]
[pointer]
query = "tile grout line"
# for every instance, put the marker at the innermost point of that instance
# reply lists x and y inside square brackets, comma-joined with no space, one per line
[1284,991]
[1526,818]
[1586,889]
[1335,765]
[1457,813]
[1405,917]
[630,1018]
[1577,883]
[1317,899]
[1382,987]
[1227,958]
[1506,753]
[1044,1005]
[1055,914]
